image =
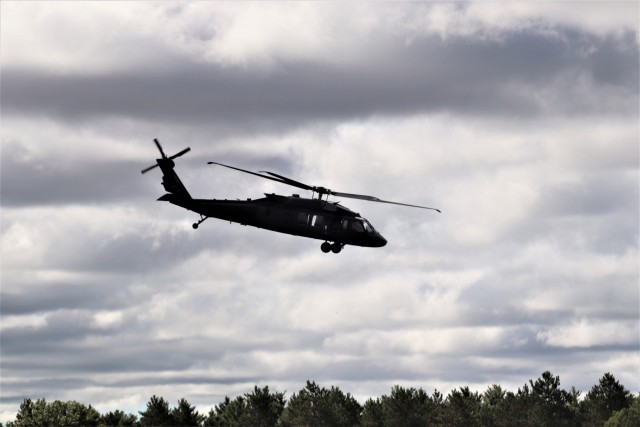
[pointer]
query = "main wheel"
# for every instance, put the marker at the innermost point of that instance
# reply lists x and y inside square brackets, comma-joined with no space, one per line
[195,225]
[336,248]
[325,247]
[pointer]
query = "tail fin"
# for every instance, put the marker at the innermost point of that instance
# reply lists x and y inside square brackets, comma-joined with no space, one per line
[170,179]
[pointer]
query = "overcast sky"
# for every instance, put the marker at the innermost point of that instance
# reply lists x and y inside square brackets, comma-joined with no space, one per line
[518,120]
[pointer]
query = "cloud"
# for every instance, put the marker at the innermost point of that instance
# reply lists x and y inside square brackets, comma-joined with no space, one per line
[522,73]
[420,72]
[518,120]
[116,36]
[583,333]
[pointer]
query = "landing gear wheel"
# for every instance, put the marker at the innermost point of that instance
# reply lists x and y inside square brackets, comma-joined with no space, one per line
[325,247]
[336,248]
[196,224]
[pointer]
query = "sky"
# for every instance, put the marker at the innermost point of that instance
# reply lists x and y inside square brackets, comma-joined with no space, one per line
[519,120]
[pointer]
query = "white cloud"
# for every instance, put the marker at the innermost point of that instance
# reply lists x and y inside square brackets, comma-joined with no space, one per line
[119,36]
[536,173]
[491,19]
[108,319]
[602,18]
[29,321]
[585,333]
[420,342]
[103,37]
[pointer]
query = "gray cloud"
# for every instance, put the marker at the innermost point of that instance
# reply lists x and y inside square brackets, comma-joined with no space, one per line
[524,133]
[522,74]
[44,298]
[50,183]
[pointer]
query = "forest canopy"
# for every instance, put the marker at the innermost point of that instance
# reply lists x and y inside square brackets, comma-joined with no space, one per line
[537,403]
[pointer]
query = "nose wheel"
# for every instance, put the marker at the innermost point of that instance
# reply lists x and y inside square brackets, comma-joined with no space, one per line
[327,247]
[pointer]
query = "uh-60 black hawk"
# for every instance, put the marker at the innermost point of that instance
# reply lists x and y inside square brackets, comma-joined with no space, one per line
[315,218]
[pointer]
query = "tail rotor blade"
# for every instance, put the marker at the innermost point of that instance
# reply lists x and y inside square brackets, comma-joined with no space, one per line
[164,156]
[186,150]
[148,169]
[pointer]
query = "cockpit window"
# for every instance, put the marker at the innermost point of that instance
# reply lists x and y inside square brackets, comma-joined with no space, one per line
[361,225]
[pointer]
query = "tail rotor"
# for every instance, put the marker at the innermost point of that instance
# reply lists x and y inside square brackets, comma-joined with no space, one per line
[164,156]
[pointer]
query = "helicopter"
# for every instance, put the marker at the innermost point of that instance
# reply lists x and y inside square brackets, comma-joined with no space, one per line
[315,217]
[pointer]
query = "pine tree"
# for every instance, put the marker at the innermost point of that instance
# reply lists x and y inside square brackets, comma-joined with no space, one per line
[157,413]
[604,399]
[185,415]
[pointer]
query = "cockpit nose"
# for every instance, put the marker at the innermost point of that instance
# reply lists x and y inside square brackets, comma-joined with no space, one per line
[381,241]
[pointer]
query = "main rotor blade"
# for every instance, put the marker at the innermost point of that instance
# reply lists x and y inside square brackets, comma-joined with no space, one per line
[284,180]
[280,180]
[375,199]
[290,181]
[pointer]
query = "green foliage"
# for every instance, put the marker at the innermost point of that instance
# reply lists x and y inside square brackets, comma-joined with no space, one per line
[548,404]
[157,413]
[462,408]
[316,406]
[185,415]
[263,408]
[260,408]
[229,413]
[372,415]
[492,406]
[403,407]
[118,419]
[407,407]
[54,414]
[605,398]
[626,417]
[538,403]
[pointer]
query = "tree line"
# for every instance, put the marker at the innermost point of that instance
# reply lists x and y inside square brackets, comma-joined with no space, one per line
[537,403]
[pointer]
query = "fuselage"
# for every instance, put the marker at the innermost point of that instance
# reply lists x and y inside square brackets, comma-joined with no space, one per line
[313,218]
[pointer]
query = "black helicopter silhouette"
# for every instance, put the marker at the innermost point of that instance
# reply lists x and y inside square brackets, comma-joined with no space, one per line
[315,218]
